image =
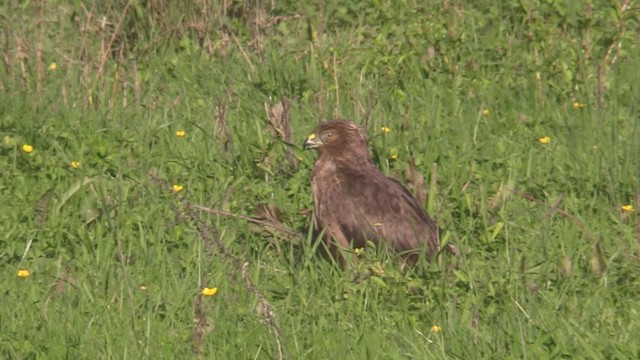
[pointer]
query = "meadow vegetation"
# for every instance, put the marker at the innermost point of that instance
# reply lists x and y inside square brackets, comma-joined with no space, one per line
[155,198]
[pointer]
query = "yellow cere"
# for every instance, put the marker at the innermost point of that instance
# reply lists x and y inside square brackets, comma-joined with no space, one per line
[627,208]
[544,140]
[24,273]
[27,148]
[177,188]
[75,164]
[209,291]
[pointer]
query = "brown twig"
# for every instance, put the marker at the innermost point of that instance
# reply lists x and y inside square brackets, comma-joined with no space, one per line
[221,120]
[245,56]
[39,62]
[607,62]
[201,326]
[106,50]
[336,110]
[279,120]
[265,309]
[205,231]
[638,223]
[598,261]
[277,19]
[372,101]
[416,182]
[565,214]
[266,223]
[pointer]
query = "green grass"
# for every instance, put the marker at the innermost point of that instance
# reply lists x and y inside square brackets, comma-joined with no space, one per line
[548,264]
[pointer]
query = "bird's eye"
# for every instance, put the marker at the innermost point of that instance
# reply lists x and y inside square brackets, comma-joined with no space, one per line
[328,135]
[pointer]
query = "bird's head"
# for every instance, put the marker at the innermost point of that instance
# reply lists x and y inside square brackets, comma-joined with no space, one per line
[338,137]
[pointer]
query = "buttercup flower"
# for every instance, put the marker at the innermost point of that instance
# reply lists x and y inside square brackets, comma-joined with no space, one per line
[27,148]
[24,273]
[385,130]
[209,291]
[627,208]
[181,134]
[393,156]
[143,287]
[486,112]
[577,105]
[177,188]
[436,328]
[544,140]
[75,164]
[53,67]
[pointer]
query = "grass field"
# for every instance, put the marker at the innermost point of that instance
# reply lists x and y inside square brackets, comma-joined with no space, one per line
[152,149]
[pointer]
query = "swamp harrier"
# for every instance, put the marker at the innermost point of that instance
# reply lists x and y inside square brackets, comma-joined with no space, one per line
[355,202]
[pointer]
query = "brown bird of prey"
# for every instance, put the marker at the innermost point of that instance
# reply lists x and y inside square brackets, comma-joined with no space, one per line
[355,202]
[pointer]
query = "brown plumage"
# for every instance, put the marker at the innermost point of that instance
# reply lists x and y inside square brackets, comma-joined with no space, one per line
[354,202]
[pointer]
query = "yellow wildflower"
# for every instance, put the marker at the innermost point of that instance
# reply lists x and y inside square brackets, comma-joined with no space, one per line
[177,188]
[75,164]
[393,156]
[577,105]
[143,287]
[53,67]
[27,148]
[436,328]
[544,140]
[181,134]
[209,291]
[24,273]
[627,208]
[358,251]
[385,130]
[486,112]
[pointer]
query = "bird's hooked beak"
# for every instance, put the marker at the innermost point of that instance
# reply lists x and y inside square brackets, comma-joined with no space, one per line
[312,142]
